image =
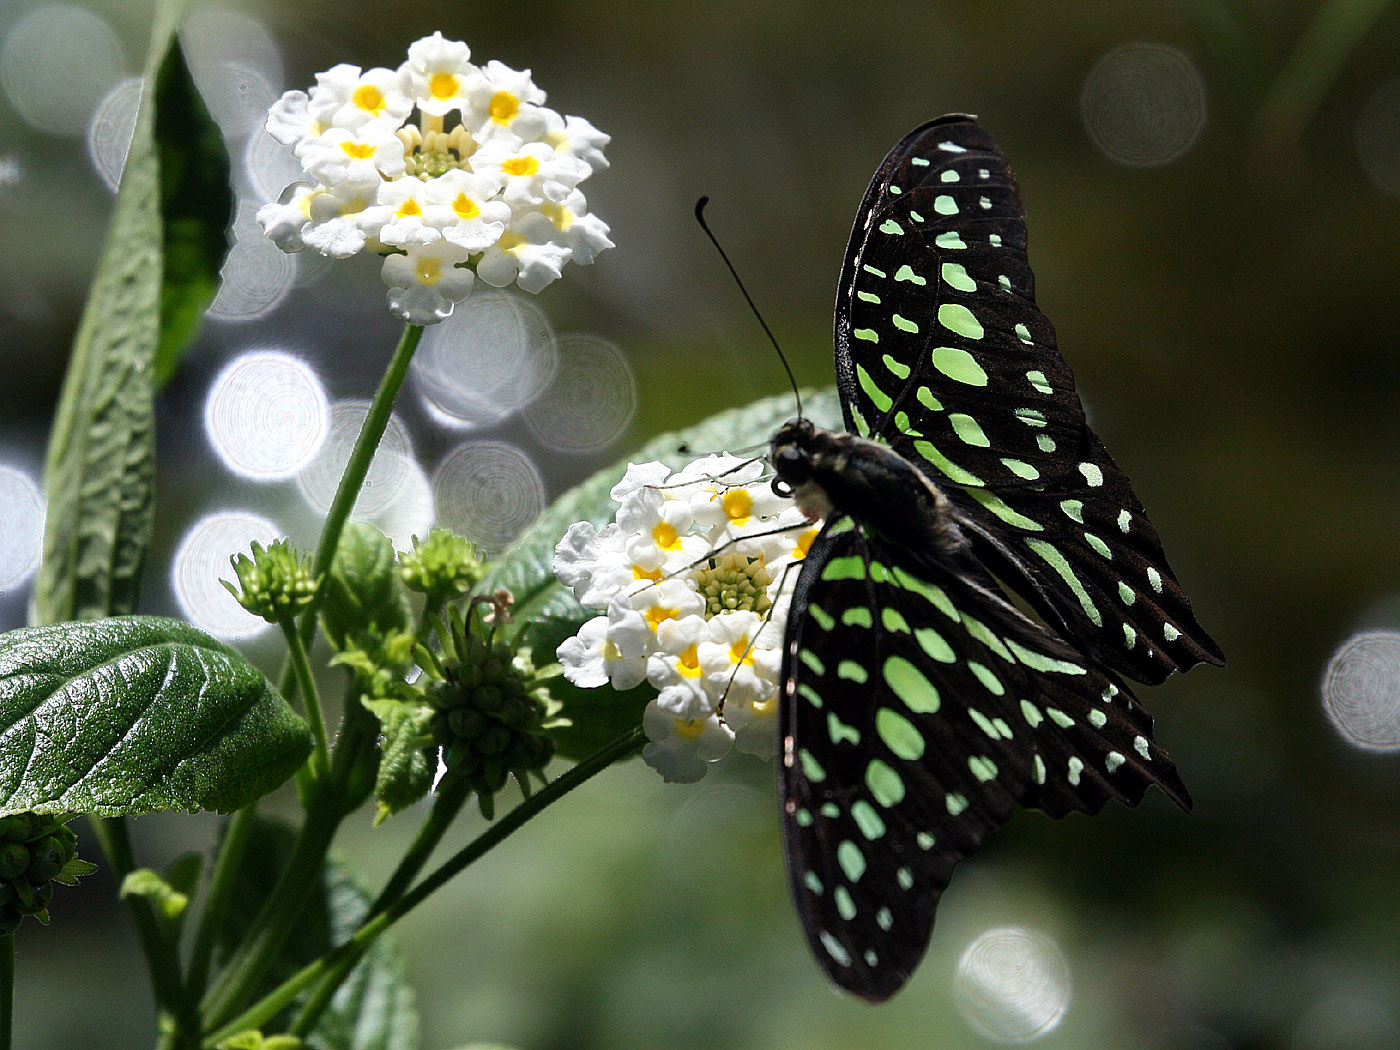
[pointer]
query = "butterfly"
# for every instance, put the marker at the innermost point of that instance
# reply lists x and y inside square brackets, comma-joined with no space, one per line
[919,703]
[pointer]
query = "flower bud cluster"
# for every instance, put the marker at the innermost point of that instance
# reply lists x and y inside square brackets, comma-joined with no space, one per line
[35,852]
[491,707]
[276,583]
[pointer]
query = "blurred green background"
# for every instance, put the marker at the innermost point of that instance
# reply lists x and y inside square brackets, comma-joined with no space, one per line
[1215,225]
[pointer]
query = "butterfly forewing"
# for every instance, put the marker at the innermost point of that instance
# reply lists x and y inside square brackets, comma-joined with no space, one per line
[942,353]
[919,708]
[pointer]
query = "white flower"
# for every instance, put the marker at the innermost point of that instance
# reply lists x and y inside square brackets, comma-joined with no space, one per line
[406,202]
[339,214]
[704,615]
[576,137]
[509,102]
[461,204]
[363,157]
[284,220]
[289,120]
[680,749]
[438,150]
[354,99]
[531,172]
[425,282]
[436,74]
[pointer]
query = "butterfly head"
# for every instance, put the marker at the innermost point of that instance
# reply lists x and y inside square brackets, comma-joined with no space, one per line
[792,453]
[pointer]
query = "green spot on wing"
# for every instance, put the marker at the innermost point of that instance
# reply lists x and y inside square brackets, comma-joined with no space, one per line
[910,685]
[1038,380]
[892,620]
[873,270]
[949,240]
[983,674]
[821,617]
[868,335]
[851,859]
[968,429]
[886,786]
[878,397]
[890,226]
[900,735]
[950,470]
[1051,555]
[959,319]
[871,824]
[897,368]
[956,803]
[857,616]
[812,661]
[846,567]
[983,768]
[958,365]
[906,273]
[811,768]
[852,672]
[998,506]
[839,731]
[904,324]
[925,397]
[868,297]
[955,275]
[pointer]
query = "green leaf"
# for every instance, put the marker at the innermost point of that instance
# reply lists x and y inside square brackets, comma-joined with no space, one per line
[406,769]
[365,598]
[197,204]
[100,467]
[374,1009]
[134,714]
[546,609]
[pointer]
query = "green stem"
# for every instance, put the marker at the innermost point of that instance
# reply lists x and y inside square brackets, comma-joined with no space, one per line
[7,989]
[231,850]
[306,683]
[446,806]
[341,960]
[371,431]
[1310,71]
[162,960]
[276,920]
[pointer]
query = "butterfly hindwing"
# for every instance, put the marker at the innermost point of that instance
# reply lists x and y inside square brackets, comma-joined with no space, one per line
[942,352]
[918,710]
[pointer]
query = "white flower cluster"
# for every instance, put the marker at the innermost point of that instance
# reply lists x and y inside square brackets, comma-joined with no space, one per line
[485,181]
[691,586]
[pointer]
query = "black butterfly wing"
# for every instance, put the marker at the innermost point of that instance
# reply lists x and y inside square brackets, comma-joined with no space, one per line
[942,352]
[918,709]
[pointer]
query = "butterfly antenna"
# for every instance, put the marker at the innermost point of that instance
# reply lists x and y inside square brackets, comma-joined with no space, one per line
[700,218]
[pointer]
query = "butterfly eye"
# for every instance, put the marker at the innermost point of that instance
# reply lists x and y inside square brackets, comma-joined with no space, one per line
[791,465]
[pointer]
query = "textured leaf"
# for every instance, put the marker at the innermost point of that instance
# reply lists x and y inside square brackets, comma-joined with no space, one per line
[134,714]
[546,609]
[364,596]
[197,206]
[100,468]
[406,767]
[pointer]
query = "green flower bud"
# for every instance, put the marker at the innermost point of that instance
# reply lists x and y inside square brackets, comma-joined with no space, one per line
[443,566]
[276,583]
[47,861]
[14,859]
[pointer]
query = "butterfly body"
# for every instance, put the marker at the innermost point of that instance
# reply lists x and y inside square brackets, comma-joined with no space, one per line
[920,705]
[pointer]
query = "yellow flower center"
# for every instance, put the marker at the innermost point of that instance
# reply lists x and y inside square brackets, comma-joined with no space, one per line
[428,271]
[688,663]
[561,216]
[666,536]
[656,616]
[689,728]
[504,107]
[369,98]
[443,85]
[465,207]
[522,165]
[511,241]
[639,573]
[804,543]
[357,150]
[741,652]
[737,505]
[409,209]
